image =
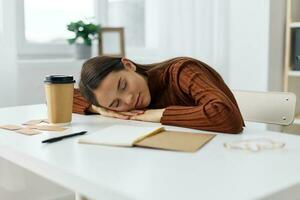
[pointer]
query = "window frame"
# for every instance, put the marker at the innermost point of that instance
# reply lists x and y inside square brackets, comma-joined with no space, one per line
[1,18]
[140,54]
[31,50]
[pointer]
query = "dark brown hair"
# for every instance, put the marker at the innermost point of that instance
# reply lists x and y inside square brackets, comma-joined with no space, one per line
[96,69]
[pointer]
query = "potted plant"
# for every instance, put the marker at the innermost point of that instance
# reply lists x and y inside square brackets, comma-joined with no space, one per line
[84,34]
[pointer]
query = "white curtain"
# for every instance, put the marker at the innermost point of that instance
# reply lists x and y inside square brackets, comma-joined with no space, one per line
[11,177]
[195,28]
[15,182]
[8,54]
[1,19]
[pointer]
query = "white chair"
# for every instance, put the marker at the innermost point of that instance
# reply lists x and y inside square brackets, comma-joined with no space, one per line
[267,107]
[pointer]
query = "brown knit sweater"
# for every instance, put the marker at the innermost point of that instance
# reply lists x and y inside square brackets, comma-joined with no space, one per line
[194,95]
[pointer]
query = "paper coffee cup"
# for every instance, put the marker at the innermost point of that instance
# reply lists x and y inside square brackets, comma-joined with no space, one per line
[59,96]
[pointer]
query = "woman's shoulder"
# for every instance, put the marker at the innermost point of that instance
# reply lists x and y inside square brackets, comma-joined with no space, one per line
[179,66]
[183,65]
[178,61]
[182,69]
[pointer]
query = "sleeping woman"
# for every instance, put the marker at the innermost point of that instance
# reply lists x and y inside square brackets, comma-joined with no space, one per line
[181,92]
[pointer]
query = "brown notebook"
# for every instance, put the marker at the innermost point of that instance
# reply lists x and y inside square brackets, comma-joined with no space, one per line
[152,137]
[175,140]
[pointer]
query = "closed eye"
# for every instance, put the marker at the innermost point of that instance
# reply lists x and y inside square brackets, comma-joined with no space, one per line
[115,104]
[124,84]
[118,103]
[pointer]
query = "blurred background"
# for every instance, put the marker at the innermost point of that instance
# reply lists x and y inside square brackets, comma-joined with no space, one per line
[251,43]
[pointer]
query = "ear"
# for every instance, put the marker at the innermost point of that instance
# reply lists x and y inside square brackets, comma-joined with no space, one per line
[128,64]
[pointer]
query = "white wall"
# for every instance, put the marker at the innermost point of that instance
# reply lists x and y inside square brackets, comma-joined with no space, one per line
[1,18]
[32,73]
[276,49]
[249,47]
[249,44]
[8,73]
[276,44]
[256,39]
[195,28]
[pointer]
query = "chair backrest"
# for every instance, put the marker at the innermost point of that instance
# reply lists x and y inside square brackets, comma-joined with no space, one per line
[267,107]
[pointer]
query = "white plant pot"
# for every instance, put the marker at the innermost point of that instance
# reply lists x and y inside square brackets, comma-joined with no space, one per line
[82,51]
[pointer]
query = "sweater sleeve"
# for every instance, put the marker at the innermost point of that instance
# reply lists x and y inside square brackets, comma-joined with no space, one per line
[213,110]
[80,104]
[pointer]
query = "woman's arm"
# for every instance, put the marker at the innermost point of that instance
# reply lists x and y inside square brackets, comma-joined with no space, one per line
[213,110]
[80,104]
[214,106]
[151,115]
[110,113]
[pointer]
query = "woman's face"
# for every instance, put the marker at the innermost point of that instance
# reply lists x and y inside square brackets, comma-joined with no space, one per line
[123,90]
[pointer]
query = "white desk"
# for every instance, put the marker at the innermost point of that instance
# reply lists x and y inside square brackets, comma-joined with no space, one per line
[135,173]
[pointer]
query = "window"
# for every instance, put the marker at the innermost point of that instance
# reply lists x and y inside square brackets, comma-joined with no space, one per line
[41,26]
[129,14]
[46,20]
[42,32]
[140,21]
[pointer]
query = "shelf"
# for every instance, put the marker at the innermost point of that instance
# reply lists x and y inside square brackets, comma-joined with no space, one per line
[291,77]
[295,25]
[294,73]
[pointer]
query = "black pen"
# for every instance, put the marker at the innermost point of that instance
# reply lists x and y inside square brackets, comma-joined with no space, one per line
[63,137]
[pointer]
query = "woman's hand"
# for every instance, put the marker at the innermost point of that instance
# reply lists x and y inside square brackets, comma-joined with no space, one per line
[116,114]
[153,115]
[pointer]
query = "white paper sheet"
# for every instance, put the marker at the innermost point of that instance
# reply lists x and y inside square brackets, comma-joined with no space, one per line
[119,135]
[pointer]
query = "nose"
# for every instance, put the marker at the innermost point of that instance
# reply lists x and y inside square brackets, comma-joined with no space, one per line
[128,99]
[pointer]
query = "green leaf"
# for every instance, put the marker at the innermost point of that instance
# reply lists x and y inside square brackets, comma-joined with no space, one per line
[83,30]
[88,42]
[72,40]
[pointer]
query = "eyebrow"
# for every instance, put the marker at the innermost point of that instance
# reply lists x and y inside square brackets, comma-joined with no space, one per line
[119,82]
